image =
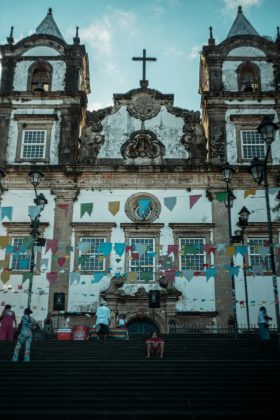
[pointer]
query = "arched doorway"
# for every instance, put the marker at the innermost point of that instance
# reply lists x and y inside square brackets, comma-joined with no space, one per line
[142,326]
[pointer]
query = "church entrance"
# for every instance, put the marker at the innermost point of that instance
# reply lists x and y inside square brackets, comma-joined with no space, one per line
[142,326]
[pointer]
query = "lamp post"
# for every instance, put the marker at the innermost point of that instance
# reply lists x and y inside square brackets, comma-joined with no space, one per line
[242,223]
[2,189]
[227,174]
[40,201]
[258,169]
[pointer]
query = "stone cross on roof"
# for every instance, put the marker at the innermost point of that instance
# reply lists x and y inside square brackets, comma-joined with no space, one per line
[144,58]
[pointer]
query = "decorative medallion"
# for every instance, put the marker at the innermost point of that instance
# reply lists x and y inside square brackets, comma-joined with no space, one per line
[143,107]
[142,207]
[143,144]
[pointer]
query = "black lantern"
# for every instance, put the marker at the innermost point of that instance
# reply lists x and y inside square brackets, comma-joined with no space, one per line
[230,199]
[227,172]
[267,130]
[35,177]
[244,216]
[41,201]
[257,169]
[2,175]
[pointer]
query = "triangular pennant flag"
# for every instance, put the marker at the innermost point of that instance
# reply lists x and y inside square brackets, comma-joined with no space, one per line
[97,277]
[119,248]
[52,244]
[105,248]
[84,247]
[4,241]
[24,263]
[6,212]
[28,242]
[173,249]
[221,196]
[188,274]
[86,208]
[132,276]
[170,202]
[34,211]
[114,207]
[27,276]
[140,249]
[51,277]
[61,261]
[241,249]
[74,276]
[65,207]
[210,272]
[251,191]
[5,276]
[194,199]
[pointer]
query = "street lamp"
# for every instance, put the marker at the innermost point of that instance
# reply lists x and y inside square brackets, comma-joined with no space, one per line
[227,174]
[40,201]
[242,223]
[259,172]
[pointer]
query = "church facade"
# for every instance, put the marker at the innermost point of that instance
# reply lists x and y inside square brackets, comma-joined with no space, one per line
[137,212]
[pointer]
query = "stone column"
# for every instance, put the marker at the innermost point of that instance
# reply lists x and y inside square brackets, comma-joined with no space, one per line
[62,232]
[223,289]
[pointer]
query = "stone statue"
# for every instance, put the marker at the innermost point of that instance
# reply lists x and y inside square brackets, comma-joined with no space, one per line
[91,142]
[194,141]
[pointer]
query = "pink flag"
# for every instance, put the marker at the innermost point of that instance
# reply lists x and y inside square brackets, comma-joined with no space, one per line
[52,244]
[194,199]
[65,207]
[52,277]
[61,261]
[174,249]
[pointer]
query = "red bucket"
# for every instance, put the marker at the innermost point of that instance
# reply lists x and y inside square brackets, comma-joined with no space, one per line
[80,332]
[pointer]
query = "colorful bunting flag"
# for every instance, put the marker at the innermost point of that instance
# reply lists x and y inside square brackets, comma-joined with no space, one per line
[170,202]
[194,199]
[114,207]
[86,208]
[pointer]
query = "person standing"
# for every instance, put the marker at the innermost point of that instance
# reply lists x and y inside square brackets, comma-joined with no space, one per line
[25,336]
[8,319]
[263,319]
[103,315]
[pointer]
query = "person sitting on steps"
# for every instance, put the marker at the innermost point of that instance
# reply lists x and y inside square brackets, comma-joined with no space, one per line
[154,345]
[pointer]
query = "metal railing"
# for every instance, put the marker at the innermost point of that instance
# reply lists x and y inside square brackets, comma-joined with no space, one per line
[199,328]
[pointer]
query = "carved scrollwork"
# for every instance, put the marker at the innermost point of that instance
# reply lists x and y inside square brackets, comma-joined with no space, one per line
[143,144]
[194,141]
[91,142]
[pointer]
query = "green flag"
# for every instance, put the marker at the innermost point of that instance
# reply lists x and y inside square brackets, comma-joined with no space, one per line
[86,208]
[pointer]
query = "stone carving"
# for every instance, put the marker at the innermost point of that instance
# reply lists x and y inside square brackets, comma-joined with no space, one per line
[218,143]
[142,144]
[151,213]
[195,142]
[91,142]
[143,107]
[141,293]
[216,82]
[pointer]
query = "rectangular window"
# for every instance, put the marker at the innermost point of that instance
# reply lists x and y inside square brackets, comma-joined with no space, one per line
[33,144]
[252,145]
[194,257]
[144,266]
[255,255]
[21,256]
[91,262]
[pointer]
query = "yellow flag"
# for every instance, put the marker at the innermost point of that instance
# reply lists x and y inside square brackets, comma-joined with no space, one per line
[4,241]
[114,207]
[251,191]
[5,276]
[230,250]
[132,276]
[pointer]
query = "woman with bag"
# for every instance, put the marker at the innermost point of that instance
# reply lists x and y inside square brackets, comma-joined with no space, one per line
[25,335]
[263,319]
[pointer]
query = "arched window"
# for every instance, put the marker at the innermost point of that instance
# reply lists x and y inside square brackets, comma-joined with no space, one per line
[40,76]
[248,77]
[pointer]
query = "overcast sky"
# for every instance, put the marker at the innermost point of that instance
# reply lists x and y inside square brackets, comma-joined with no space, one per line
[114,31]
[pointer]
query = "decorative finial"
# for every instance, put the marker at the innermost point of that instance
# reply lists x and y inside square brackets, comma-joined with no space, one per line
[211,40]
[50,11]
[76,39]
[10,38]
[240,9]
[278,32]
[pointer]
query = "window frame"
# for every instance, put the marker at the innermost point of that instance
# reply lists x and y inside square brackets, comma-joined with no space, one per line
[246,123]
[194,255]
[23,144]
[94,230]
[139,280]
[89,254]
[22,230]
[147,230]
[34,123]
[243,145]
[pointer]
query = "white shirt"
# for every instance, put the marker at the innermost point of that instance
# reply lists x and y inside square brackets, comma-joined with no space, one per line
[103,315]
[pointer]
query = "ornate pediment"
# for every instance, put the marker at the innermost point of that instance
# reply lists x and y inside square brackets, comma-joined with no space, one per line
[143,144]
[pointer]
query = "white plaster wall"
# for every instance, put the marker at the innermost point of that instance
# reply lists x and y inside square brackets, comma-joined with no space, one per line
[246,52]
[118,127]
[41,51]
[229,75]
[197,294]
[10,293]
[21,75]
[231,131]
[13,133]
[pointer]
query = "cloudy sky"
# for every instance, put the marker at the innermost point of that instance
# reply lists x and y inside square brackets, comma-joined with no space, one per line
[114,31]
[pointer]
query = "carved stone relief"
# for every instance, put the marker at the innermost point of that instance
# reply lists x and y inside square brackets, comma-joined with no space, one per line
[143,144]
[195,141]
[217,139]
[151,213]
[143,107]
[91,142]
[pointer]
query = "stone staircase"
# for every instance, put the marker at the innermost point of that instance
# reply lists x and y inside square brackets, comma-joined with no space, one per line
[201,376]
